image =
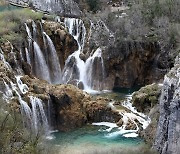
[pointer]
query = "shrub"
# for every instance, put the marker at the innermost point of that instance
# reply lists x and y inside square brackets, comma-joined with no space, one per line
[10,22]
[93,5]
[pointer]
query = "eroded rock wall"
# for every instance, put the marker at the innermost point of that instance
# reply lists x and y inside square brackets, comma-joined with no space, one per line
[61,7]
[167,139]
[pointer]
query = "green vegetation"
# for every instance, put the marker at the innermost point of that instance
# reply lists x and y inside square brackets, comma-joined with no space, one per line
[146,98]
[11,22]
[14,137]
[147,20]
[94,5]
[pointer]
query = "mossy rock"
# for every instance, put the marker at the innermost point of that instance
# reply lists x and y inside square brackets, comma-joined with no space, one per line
[146,97]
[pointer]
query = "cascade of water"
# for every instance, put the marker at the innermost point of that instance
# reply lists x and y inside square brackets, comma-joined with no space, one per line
[39,120]
[78,31]
[27,56]
[4,60]
[8,92]
[34,118]
[132,116]
[34,30]
[25,109]
[21,54]
[44,42]
[41,68]
[94,74]
[54,64]
[23,87]
[29,44]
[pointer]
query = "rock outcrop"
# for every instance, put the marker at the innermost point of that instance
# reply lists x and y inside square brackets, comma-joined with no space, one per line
[61,7]
[70,107]
[167,139]
[146,98]
[131,63]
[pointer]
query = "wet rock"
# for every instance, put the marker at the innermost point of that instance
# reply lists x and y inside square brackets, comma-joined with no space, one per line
[64,43]
[120,123]
[130,125]
[82,57]
[98,111]
[80,85]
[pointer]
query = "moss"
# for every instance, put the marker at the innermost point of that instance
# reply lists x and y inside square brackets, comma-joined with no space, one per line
[146,97]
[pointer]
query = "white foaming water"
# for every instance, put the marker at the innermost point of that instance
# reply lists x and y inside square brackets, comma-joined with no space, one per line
[131,135]
[2,58]
[29,44]
[142,118]
[41,68]
[8,94]
[107,124]
[35,118]
[34,30]
[27,56]
[39,120]
[77,30]
[95,79]
[129,116]
[54,65]
[23,87]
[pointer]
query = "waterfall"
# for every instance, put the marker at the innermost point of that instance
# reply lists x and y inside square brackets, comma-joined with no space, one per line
[41,68]
[39,120]
[54,64]
[34,118]
[85,69]
[94,74]
[27,56]
[134,116]
[4,60]
[34,30]
[23,87]
[8,92]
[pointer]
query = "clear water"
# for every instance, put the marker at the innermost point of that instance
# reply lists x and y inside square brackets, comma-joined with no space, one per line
[91,140]
[95,139]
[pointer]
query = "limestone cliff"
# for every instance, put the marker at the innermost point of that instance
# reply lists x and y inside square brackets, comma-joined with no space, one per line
[61,7]
[168,132]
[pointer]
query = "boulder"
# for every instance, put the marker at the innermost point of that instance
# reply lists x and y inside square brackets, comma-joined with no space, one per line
[146,98]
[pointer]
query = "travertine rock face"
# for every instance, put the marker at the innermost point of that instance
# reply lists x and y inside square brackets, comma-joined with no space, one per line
[131,63]
[61,7]
[70,107]
[168,132]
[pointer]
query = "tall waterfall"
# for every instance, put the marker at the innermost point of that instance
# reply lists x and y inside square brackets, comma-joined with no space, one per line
[45,64]
[39,120]
[83,69]
[41,68]
[54,64]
